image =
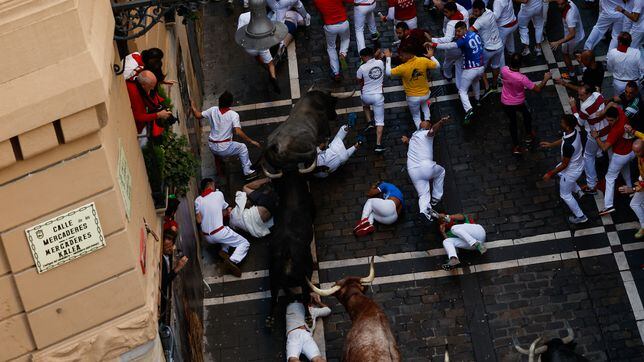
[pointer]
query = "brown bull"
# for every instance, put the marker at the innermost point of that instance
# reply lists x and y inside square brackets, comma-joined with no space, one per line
[370,338]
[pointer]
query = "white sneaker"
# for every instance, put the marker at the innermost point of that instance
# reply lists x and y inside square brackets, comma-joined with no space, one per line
[526,51]
[537,51]
[245,4]
[307,20]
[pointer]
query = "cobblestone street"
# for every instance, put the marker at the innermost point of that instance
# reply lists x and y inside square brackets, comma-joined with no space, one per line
[539,274]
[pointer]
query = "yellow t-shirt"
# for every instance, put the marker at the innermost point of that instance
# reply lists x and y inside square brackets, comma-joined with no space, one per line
[414,75]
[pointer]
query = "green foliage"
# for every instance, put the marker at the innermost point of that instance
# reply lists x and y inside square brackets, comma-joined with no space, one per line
[167,101]
[179,164]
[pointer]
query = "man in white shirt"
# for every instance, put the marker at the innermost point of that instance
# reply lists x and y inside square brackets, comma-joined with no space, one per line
[223,121]
[625,63]
[209,212]
[507,22]
[331,157]
[363,11]
[590,116]
[252,211]
[262,56]
[531,10]
[608,18]
[633,21]
[422,168]
[485,25]
[370,76]
[452,56]
[570,167]
[299,336]
[280,7]
[573,34]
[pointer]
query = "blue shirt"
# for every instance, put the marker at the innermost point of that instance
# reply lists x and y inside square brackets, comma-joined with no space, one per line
[389,190]
[467,4]
[472,48]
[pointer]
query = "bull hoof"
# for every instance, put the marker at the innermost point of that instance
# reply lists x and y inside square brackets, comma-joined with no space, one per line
[270,321]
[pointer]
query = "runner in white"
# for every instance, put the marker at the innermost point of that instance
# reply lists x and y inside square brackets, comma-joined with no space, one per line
[485,25]
[223,121]
[590,116]
[625,63]
[280,7]
[422,168]
[363,11]
[452,56]
[573,34]
[531,10]
[462,232]
[507,22]
[633,21]
[371,75]
[299,336]
[331,157]
[608,17]
[209,213]
[570,167]
[637,203]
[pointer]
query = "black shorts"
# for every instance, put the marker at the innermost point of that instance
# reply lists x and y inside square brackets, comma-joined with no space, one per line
[292,27]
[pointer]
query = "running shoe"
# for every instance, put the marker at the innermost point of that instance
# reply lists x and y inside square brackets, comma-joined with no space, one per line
[468,116]
[360,224]
[230,266]
[530,137]
[369,229]
[537,51]
[380,149]
[577,220]
[639,234]
[434,201]
[337,77]
[375,36]
[526,51]
[451,264]
[307,20]
[517,150]
[351,119]
[607,211]
[487,92]
[589,191]
[343,62]
[480,247]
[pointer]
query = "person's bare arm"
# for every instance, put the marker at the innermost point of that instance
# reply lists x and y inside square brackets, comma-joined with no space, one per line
[634,17]
[537,88]
[195,110]
[373,191]
[560,167]
[198,218]
[241,134]
[437,126]
[254,185]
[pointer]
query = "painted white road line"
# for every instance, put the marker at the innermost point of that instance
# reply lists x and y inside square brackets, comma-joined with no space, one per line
[229,278]
[293,73]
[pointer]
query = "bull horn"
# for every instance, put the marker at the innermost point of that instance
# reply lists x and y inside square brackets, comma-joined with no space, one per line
[322,292]
[310,168]
[372,274]
[534,351]
[349,96]
[518,347]
[571,334]
[272,175]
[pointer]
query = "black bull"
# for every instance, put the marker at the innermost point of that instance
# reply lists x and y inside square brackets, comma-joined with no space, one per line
[292,145]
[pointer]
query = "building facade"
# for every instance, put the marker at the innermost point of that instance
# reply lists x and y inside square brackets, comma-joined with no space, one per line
[79,272]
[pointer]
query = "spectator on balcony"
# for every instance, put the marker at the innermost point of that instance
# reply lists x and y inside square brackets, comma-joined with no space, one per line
[169,222]
[149,59]
[168,270]
[147,108]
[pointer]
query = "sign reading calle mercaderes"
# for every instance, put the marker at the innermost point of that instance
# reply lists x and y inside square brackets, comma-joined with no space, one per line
[65,237]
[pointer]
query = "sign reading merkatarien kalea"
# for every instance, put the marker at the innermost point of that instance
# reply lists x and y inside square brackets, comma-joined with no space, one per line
[66,237]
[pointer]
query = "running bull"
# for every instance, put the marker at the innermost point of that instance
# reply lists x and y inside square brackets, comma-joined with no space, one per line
[556,349]
[293,145]
[370,338]
[291,261]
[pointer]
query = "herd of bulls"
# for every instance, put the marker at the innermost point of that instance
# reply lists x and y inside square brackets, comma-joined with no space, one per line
[289,157]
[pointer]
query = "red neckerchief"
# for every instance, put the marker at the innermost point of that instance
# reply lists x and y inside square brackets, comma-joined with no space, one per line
[565,11]
[207,192]
[457,16]
[224,110]
[622,48]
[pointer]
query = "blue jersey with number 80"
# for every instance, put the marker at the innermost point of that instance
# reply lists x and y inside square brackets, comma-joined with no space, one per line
[472,48]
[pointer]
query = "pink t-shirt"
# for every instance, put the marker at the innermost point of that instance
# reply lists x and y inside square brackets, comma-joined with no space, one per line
[514,86]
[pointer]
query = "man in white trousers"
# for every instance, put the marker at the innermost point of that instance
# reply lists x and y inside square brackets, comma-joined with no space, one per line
[570,167]
[363,12]
[460,231]
[299,336]
[608,17]
[451,56]
[637,203]
[223,121]
[384,205]
[280,7]
[633,21]
[334,16]
[426,175]
[507,22]
[262,56]
[573,35]
[621,145]
[335,154]
[370,77]
[209,213]
[531,10]
[590,115]
[625,63]
[485,25]
[472,67]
